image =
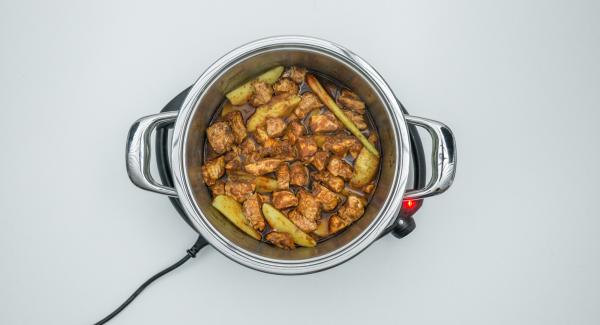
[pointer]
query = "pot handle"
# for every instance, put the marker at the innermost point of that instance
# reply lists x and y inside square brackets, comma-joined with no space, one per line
[443,158]
[138,152]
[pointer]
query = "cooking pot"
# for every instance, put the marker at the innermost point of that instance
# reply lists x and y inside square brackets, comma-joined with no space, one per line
[240,65]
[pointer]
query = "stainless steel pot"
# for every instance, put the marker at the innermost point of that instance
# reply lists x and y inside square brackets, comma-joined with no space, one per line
[235,68]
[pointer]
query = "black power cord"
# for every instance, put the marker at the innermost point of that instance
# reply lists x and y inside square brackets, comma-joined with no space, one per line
[191,253]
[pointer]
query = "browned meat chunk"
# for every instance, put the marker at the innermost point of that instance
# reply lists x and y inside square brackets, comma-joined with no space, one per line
[261,135]
[278,149]
[218,188]
[372,138]
[213,170]
[248,146]
[302,222]
[238,128]
[306,147]
[240,191]
[284,199]
[319,160]
[220,137]
[285,86]
[280,239]
[252,211]
[353,209]
[275,126]
[334,183]
[262,93]
[327,198]
[338,167]
[351,101]
[308,206]
[340,145]
[264,198]
[294,131]
[358,119]
[283,176]
[235,163]
[263,166]
[336,224]
[308,102]
[325,122]
[295,73]
[298,174]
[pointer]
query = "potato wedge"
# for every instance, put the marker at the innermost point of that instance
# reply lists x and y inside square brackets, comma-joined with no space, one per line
[232,210]
[365,168]
[280,222]
[320,139]
[266,184]
[241,94]
[318,89]
[263,184]
[280,106]
[322,229]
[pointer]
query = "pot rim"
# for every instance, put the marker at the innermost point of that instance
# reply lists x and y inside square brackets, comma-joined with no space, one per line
[382,220]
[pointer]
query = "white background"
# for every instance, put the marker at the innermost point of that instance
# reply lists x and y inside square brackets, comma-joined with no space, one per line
[514,241]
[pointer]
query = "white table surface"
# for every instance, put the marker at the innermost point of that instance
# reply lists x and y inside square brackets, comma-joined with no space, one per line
[514,241]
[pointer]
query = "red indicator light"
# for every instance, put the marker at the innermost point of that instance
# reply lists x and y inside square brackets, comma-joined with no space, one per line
[409,204]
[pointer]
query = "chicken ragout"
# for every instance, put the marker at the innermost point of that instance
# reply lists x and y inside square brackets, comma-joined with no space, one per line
[291,157]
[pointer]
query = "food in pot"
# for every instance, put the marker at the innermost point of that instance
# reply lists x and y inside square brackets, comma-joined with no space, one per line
[290,162]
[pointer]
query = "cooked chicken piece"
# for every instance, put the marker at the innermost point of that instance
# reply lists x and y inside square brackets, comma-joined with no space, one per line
[280,149]
[280,239]
[261,135]
[220,137]
[248,146]
[368,188]
[358,119]
[308,103]
[263,166]
[283,176]
[334,183]
[325,122]
[285,86]
[232,153]
[295,73]
[213,170]
[307,147]
[302,222]
[340,145]
[338,167]
[299,174]
[240,191]
[264,198]
[327,198]
[275,126]
[336,224]
[235,163]
[372,138]
[262,93]
[284,199]
[319,160]
[252,211]
[294,131]
[308,205]
[238,128]
[353,209]
[351,101]
[218,188]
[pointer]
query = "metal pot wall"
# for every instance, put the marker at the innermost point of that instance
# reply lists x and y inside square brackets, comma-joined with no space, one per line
[235,68]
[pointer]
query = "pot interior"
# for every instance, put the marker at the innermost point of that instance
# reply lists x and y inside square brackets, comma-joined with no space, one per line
[251,65]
